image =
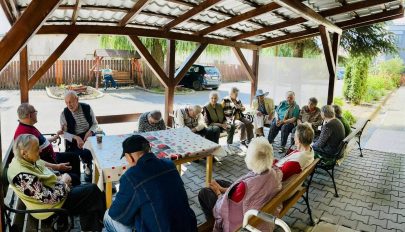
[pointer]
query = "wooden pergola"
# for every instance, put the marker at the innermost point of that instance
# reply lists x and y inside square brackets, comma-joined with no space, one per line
[240,24]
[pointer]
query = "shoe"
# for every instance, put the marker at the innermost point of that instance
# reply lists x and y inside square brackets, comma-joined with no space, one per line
[281,150]
[244,143]
[116,87]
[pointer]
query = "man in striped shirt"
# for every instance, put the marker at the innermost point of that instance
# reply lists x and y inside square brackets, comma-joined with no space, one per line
[78,123]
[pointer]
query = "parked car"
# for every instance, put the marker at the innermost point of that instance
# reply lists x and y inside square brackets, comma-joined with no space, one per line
[201,77]
[340,73]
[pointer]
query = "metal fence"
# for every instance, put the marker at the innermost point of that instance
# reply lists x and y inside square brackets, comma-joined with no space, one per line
[78,72]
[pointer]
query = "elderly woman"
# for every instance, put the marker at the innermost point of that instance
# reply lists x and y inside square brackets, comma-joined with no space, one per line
[332,133]
[338,115]
[310,114]
[233,111]
[226,203]
[263,109]
[39,188]
[300,158]
[215,119]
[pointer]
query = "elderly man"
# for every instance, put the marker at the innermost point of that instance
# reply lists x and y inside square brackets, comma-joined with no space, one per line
[233,111]
[192,118]
[78,123]
[39,188]
[64,162]
[151,121]
[310,114]
[263,109]
[151,196]
[107,75]
[287,114]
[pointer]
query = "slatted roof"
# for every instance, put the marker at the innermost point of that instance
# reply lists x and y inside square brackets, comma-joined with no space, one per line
[239,23]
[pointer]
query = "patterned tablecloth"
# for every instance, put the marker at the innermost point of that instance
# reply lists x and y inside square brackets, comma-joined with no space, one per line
[172,144]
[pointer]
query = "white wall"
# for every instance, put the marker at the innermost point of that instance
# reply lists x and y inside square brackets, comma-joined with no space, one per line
[307,77]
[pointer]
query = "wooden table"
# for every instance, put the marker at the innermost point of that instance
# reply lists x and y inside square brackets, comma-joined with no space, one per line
[180,145]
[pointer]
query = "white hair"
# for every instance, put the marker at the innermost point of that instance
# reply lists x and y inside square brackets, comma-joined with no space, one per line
[328,111]
[196,109]
[259,155]
[214,93]
[234,90]
[24,110]
[23,143]
[71,93]
[290,93]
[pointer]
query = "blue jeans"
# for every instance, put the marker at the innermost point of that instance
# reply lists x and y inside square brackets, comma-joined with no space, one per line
[109,78]
[285,132]
[113,226]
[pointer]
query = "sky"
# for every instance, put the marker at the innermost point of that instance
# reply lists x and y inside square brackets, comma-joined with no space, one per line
[4,24]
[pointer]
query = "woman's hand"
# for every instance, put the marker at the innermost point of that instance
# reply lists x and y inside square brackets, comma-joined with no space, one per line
[64,167]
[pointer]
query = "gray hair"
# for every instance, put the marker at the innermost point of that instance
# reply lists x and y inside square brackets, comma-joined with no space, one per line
[23,143]
[214,93]
[196,108]
[290,93]
[328,111]
[155,114]
[234,90]
[338,111]
[305,134]
[24,110]
[313,100]
[71,93]
[259,155]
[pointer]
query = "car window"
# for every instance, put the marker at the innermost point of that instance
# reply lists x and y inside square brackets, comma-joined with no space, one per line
[211,70]
[194,69]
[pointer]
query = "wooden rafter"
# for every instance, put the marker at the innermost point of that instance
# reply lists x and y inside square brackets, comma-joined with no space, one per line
[24,28]
[24,75]
[255,69]
[51,59]
[244,64]
[239,18]
[139,5]
[75,13]
[192,12]
[181,72]
[8,11]
[90,29]
[326,13]
[170,71]
[327,49]
[308,13]
[150,61]
[362,21]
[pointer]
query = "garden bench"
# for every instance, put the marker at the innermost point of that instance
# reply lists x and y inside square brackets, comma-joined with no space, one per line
[328,163]
[15,215]
[118,118]
[122,77]
[293,189]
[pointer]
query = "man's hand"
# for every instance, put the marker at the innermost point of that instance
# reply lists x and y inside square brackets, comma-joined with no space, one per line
[224,125]
[88,134]
[79,142]
[64,167]
[59,132]
[279,123]
[194,130]
[259,113]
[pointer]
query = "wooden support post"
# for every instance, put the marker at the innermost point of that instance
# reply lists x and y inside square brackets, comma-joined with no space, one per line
[181,72]
[169,90]
[330,49]
[24,75]
[255,69]
[24,28]
[51,59]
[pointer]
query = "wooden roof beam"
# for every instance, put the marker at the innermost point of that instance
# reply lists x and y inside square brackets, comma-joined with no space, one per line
[239,18]
[113,30]
[139,5]
[8,11]
[75,13]
[362,21]
[326,13]
[207,4]
[150,61]
[244,64]
[51,59]
[308,13]
[24,28]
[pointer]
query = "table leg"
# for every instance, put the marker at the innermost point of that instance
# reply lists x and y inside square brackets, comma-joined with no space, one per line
[96,175]
[178,166]
[108,194]
[208,174]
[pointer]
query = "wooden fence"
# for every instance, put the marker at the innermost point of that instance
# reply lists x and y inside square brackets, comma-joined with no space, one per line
[78,72]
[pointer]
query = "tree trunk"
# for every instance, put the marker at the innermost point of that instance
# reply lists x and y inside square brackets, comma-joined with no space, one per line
[157,52]
[299,49]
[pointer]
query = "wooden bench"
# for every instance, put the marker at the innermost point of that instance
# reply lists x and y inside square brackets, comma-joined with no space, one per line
[15,215]
[119,118]
[122,77]
[328,163]
[293,189]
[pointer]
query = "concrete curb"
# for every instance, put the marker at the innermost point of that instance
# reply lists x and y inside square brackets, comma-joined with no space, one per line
[51,95]
[382,103]
[150,91]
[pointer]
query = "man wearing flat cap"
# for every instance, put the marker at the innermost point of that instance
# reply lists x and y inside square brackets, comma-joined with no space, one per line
[151,195]
[263,111]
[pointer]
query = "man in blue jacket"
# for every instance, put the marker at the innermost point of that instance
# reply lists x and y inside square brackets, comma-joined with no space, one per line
[151,196]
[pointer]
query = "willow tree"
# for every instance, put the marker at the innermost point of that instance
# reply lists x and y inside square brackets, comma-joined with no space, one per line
[158,49]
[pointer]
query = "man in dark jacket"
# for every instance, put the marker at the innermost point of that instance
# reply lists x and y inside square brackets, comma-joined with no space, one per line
[151,195]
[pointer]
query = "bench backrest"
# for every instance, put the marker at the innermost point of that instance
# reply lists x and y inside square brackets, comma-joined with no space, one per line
[282,196]
[120,118]
[121,75]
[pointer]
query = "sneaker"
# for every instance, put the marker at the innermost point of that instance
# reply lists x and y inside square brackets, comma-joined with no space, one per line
[87,170]
[244,143]
[281,150]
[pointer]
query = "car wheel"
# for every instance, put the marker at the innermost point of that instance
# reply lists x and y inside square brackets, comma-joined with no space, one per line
[214,88]
[197,85]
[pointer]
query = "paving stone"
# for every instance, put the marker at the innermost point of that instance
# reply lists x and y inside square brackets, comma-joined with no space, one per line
[348,222]
[369,212]
[366,228]
[393,217]
[359,217]
[393,225]
[338,204]
[378,207]
[341,213]
[378,222]
[327,217]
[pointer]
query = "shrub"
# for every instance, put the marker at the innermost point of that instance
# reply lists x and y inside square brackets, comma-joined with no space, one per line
[349,117]
[355,85]
[338,101]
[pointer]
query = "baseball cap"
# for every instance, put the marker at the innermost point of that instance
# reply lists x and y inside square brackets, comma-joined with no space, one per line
[134,143]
